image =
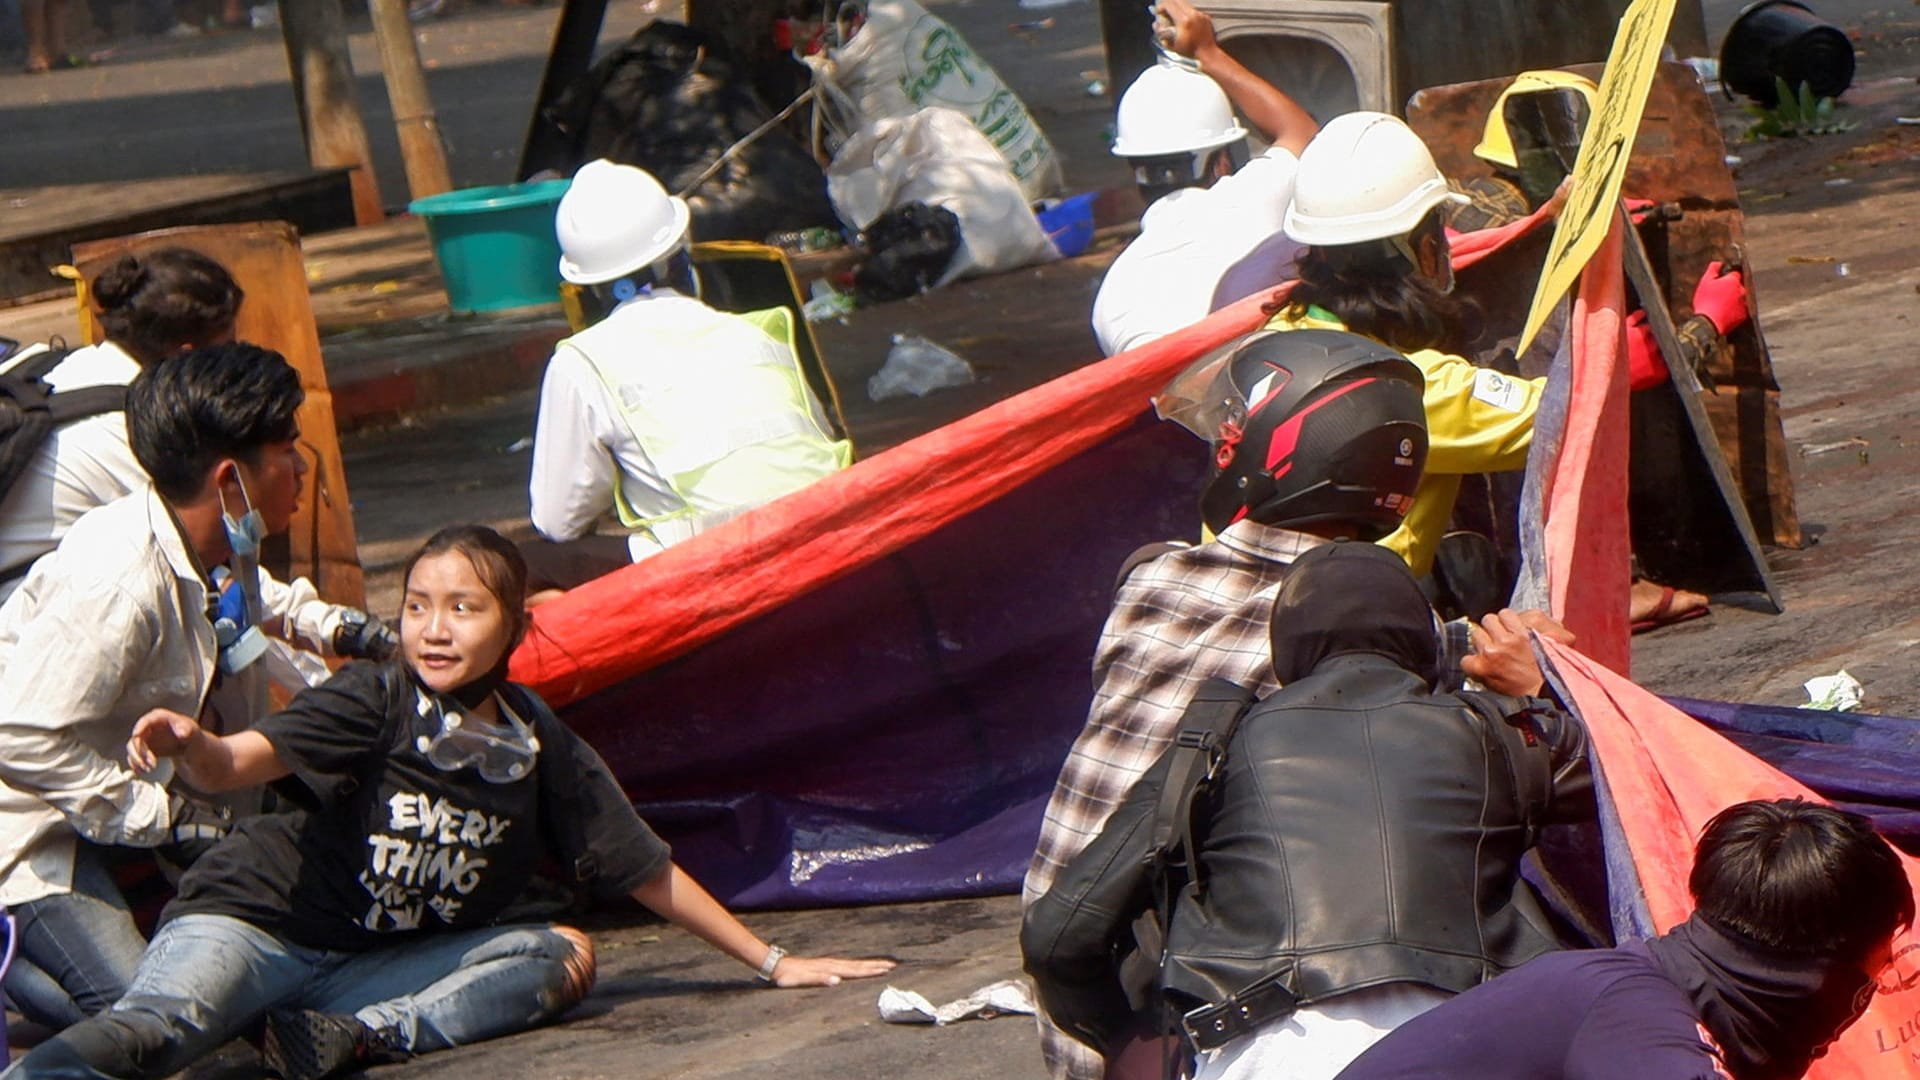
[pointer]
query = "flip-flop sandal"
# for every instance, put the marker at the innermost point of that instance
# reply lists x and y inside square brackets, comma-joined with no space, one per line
[1664,615]
[68,62]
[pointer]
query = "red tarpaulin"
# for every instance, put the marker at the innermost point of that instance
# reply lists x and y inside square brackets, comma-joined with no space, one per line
[1664,774]
[691,593]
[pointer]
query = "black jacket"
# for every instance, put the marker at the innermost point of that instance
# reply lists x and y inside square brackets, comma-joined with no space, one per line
[1364,830]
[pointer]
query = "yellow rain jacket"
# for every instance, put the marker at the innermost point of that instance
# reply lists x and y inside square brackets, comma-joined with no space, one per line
[1478,421]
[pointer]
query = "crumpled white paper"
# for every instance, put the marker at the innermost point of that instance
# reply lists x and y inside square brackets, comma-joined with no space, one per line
[1838,692]
[1007,997]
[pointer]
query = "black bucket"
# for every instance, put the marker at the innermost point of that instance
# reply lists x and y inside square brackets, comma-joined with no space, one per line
[1784,39]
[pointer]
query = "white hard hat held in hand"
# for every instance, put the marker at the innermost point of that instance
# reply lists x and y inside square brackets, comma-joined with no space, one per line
[615,220]
[1365,176]
[1173,110]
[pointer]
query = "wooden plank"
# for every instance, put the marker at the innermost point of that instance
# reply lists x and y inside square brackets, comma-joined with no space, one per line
[43,223]
[264,257]
[1686,384]
[1679,157]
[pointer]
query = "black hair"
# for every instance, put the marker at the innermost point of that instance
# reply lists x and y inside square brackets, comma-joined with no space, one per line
[187,413]
[152,305]
[496,561]
[1378,293]
[1800,877]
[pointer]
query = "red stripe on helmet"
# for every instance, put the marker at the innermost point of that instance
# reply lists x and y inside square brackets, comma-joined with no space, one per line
[1287,435]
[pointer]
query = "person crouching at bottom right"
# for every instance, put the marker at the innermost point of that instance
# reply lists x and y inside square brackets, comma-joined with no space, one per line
[1796,908]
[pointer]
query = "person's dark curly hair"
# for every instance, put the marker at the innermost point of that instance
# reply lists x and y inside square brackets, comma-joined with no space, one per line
[1378,293]
[166,301]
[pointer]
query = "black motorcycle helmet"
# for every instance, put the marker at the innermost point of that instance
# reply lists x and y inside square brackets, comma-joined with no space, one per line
[1316,428]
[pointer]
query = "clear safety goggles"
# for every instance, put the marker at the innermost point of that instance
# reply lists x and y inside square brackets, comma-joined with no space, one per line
[501,753]
[1171,170]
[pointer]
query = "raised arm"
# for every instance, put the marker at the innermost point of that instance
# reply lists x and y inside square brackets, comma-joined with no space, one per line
[1278,117]
[680,900]
[212,763]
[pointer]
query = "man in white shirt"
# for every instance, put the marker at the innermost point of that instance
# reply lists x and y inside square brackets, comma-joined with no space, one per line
[668,414]
[117,620]
[1176,127]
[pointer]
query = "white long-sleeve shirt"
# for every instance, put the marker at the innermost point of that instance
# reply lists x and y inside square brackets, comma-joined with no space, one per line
[82,465]
[1188,240]
[111,624]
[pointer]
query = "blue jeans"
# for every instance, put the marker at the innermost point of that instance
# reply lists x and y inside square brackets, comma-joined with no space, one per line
[78,951]
[207,978]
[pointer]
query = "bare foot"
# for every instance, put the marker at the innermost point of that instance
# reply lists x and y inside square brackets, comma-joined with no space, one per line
[1659,604]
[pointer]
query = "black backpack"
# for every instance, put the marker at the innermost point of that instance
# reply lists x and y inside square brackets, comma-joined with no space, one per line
[30,410]
[1095,942]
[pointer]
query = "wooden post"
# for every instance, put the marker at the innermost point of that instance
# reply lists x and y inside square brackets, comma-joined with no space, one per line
[421,148]
[323,93]
[264,257]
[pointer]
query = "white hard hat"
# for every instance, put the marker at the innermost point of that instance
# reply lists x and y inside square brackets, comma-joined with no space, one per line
[1365,176]
[1173,110]
[614,220]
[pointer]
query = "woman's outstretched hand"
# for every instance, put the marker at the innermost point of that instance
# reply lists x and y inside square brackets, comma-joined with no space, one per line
[794,972]
[162,733]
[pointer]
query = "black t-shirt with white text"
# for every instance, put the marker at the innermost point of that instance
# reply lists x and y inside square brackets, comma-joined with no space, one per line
[381,842]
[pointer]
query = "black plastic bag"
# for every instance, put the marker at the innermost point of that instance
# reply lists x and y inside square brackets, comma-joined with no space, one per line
[671,100]
[908,249]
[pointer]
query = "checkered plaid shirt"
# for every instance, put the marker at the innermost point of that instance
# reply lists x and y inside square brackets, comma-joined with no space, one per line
[1193,614]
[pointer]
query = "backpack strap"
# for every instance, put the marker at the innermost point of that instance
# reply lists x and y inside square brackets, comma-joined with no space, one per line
[69,405]
[1143,555]
[1198,749]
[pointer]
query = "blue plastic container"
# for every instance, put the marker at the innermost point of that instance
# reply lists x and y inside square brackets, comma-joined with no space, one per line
[495,245]
[1069,223]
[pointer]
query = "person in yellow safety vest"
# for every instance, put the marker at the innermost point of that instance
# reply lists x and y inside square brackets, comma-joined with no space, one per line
[669,414]
[1371,207]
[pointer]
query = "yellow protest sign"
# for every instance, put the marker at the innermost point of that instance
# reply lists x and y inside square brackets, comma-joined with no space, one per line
[1604,150]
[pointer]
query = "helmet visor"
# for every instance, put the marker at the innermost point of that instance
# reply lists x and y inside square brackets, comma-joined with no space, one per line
[1202,398]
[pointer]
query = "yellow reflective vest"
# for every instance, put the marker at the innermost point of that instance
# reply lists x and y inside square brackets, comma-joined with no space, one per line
[1478,421]
[728,422]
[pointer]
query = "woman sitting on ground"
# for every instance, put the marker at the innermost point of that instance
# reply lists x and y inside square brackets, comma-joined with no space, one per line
[362,925]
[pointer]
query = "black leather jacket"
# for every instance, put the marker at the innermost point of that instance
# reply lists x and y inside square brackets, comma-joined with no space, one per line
[1364,830]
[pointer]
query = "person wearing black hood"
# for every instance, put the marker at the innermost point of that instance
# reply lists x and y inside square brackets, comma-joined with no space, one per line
[372,921]
[1357,860]
[1797,905]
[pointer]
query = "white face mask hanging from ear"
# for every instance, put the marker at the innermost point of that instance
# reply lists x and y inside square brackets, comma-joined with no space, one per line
[246,533]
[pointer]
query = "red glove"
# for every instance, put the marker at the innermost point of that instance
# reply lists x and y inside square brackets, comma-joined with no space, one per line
[1722,297]
[1645,368]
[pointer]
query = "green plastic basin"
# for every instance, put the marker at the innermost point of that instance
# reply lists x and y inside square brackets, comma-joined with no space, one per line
[495,245]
